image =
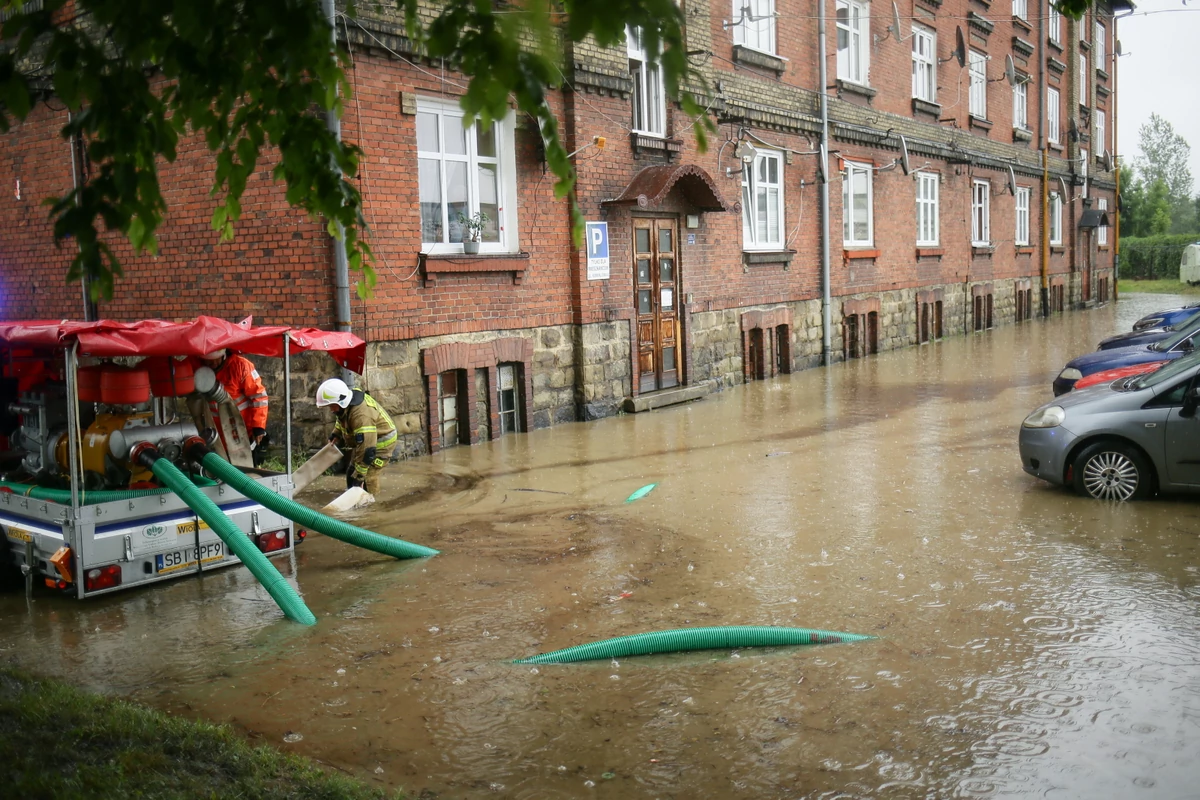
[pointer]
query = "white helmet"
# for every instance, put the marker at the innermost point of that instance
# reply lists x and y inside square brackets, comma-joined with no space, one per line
[333,392]
[215,355]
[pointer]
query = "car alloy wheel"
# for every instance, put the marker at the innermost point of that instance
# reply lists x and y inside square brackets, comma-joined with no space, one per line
[1111,471]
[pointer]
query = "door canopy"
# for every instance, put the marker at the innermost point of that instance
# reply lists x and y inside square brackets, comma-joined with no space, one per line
[651,186]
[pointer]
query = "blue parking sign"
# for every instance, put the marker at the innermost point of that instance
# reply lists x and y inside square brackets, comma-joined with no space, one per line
[596,234]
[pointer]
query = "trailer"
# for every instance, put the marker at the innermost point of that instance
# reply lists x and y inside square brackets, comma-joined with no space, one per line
[85,505]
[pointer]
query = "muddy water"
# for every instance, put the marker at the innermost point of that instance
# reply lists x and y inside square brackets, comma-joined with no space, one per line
[1031,643]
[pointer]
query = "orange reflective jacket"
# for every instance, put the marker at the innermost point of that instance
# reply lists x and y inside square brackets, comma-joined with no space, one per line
[245,388]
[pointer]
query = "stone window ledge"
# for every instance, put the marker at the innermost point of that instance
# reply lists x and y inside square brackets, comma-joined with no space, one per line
[1058,248]
[434,264]
[1055,65]
[1101,74]
[983,250]
[1019,22]
[751,258]
[1022,46]
[847,87]
[931,252]
[982,124]
[1024,250]
[1022,135]
[926,107]
[1056,147]
[850,255]
[645,142]
[757,58]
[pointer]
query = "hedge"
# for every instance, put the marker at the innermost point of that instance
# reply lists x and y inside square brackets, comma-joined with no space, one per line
[1153,257]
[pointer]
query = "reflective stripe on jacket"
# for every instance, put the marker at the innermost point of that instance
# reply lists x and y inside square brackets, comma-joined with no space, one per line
[369,421]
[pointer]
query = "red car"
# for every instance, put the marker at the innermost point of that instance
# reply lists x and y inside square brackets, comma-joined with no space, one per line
[1110,375]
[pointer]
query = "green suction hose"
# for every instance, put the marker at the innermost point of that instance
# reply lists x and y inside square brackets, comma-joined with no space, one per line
[335,528]
[684,639]
[237,541]
[90,497]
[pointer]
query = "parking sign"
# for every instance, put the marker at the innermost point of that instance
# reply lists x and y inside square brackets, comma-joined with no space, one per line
[597,250]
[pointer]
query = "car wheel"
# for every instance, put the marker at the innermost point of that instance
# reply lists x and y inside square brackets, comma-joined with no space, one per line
[1112,471]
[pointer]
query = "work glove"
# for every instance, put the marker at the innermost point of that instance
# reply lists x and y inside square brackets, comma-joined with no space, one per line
[352,480]
[259,438]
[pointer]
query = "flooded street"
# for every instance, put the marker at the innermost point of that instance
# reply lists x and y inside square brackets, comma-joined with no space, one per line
[1031,642]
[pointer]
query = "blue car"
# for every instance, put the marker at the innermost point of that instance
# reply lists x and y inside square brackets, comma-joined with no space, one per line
[1146,336]
[1177,344]
[1172,316]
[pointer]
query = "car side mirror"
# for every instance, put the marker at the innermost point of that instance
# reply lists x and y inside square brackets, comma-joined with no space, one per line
[1191,401]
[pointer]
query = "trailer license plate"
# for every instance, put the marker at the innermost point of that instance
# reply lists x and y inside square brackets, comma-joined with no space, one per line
[182,559]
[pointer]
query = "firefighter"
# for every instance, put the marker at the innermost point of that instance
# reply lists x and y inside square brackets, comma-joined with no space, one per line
[244,386]
[361,423]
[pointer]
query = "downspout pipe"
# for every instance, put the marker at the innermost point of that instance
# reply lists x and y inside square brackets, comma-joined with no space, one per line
[341,268]
[1045,148]
[822,91]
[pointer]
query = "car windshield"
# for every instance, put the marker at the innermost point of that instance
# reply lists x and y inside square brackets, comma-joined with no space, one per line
[1184,331]
[1168,371]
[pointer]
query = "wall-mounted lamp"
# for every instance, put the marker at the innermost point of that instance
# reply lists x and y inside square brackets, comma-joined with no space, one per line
[692,221]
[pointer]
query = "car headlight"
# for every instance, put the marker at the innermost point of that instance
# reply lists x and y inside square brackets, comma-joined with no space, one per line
[1070,374]
[1048,417]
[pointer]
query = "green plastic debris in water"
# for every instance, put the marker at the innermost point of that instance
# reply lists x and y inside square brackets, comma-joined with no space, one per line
[640,493]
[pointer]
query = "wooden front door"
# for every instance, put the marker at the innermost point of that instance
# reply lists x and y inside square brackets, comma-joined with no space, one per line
[656,280]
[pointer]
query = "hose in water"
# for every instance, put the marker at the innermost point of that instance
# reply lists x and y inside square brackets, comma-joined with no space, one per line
[685,639]
[237,541]
[301,514]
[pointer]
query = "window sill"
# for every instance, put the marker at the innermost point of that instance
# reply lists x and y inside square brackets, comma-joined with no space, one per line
[979,22]
[1085,45]
[930,252]
[920,106]
[1022,23]
[1056,45]
[1101,74]
[1022,46]
[1102,91]
[983,250]
[847,87]
[752,258]
[1055,65]
[434,264]
[1058,248]
[1024,250]
[750,57]
[1022,135]
[1056,147]
[1103,248]
[850,255]
[650,143]
[982,124]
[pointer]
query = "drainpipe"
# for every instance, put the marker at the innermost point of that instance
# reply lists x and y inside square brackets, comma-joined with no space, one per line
[1117,167]
[341,269]
[90,312]
[1045,148]
[826,321]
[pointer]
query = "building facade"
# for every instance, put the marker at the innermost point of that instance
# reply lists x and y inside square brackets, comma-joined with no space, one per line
[968,165]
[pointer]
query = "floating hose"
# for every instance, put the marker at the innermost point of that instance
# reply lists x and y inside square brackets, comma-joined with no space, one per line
[238,543]
[90,497]
[640,493]
[684,639]
[301,514]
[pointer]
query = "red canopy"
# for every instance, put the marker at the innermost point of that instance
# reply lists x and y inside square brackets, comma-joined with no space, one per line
[156,337]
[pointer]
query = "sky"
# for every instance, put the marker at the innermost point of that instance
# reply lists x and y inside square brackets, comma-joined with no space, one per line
[1158,74]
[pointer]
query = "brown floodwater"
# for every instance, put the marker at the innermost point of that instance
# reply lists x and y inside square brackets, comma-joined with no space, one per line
[1030,642]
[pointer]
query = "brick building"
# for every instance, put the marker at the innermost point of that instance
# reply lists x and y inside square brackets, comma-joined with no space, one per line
[969,157]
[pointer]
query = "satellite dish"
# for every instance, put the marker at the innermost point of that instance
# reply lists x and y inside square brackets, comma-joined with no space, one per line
[960,47]
[1062,188]
[746,152]
[1010,71]
[896,23]
[904,165]
[1108,161]
[1119,51]
[1012,181]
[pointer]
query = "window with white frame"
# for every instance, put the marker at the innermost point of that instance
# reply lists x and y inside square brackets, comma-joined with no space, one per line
[978,98]
[762,202]
[1052,115]
[1099,47]
[1020,9]
[1020,106]
[1054,24]
[462,172]
[1101,133]
[649,98]
[981,222]
[924,63]
[1055,218]
[1021,235]
[1084,83]
[853,40]
[1102,231]
[756,24]
[857,226]
[927,208]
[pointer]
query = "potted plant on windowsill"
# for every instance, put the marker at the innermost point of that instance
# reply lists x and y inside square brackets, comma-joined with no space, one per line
[472,231]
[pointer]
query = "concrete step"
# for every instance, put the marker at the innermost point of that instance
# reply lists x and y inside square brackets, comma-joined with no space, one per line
[666,397]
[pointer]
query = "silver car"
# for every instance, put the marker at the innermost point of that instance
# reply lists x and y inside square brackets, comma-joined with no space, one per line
[1122,440]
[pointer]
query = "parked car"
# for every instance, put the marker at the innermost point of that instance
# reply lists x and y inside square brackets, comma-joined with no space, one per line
[1110,375]
[1177,344]
[1146,336]
[1123,440]
[1169,317]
